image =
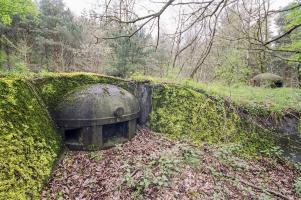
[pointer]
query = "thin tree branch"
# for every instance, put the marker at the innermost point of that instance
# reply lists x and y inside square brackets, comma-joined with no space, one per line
[151,16]
[158,33]
[127,36]
[276,193]
[284,10]
[282,35]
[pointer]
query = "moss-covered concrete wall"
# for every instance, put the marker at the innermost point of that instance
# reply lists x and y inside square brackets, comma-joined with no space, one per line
[190,114]
[29,143]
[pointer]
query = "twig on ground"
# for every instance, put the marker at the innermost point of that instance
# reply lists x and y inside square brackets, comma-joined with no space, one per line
[258,188]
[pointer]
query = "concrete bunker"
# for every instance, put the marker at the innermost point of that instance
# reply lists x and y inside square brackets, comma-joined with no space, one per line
[267,80]
[97,117]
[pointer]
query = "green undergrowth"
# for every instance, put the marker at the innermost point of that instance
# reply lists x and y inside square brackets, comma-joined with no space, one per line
[258,100]
[255,100]
[184,113]
[29,143]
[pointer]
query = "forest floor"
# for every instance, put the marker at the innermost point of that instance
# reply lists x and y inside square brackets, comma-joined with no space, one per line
[153,167]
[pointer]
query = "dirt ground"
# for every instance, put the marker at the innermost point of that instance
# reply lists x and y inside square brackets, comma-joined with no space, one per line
[153,167]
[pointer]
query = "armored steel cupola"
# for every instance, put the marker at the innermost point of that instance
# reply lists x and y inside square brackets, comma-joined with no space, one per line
[97,116]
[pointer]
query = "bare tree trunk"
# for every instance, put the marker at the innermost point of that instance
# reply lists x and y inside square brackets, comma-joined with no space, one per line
[8,60]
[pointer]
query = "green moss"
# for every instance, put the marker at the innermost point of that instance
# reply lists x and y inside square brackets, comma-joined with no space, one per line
[184,113]
[29,143]
[52,87]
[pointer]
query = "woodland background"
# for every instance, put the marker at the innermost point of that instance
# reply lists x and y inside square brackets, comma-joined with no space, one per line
[217,40]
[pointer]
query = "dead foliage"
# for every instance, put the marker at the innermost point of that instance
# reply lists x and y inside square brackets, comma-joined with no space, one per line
[152,167]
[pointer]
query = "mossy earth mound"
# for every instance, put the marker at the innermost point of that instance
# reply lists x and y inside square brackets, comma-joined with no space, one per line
[30,143]
[190,114]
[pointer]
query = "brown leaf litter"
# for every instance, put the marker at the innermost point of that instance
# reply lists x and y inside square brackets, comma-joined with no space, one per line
[153,167]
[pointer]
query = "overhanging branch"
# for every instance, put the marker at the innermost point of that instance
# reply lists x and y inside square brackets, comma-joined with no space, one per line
[282,35]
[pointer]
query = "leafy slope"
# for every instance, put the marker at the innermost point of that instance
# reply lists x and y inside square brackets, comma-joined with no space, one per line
[165,169]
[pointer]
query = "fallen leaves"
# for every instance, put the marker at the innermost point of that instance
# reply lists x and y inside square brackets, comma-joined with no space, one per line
[190,173]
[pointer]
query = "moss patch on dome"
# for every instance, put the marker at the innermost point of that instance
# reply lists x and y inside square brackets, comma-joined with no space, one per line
[52,87]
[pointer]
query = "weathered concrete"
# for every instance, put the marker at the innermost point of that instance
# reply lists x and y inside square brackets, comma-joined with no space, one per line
[145,100]
[267,79]
[143,91]
[92,115]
